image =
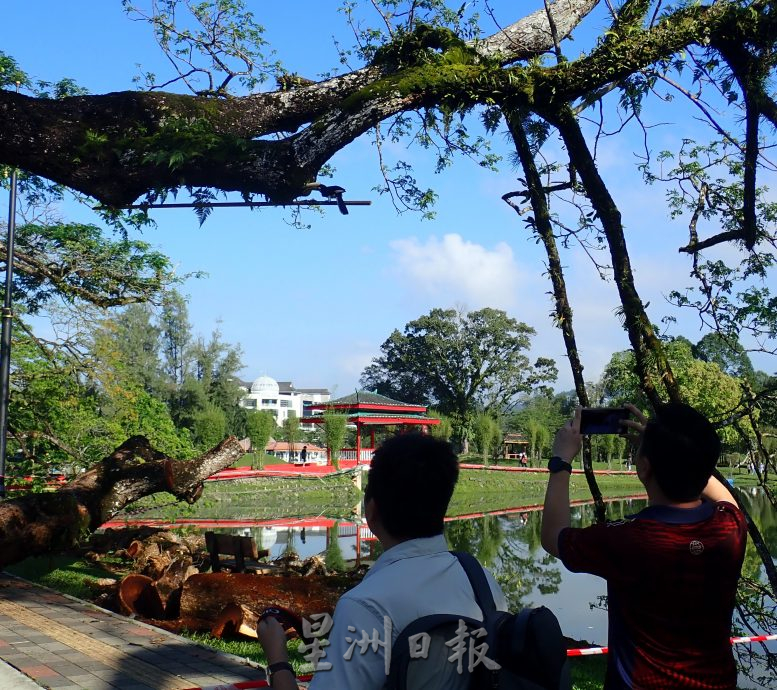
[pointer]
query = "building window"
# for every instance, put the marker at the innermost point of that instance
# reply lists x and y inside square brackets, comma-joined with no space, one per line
[285,403]
[267,402]
[250,403]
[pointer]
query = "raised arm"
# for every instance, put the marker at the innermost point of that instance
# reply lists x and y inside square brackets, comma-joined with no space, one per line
[556,514]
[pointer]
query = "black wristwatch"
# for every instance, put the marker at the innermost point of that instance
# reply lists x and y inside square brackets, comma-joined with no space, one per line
[557,464]
[278,666]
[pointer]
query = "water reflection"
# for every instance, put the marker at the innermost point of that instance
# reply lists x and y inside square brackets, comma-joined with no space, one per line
[509,544]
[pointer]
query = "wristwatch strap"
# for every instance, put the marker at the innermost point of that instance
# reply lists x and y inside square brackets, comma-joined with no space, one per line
[557,464]
[272,669]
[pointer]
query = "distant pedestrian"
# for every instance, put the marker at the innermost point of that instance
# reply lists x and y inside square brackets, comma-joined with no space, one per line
[523,460]
[303,455]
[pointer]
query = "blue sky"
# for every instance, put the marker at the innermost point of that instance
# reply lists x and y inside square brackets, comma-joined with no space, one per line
[313,306]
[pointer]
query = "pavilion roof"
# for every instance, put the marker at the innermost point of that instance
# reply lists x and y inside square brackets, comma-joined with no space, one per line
[365,400]
[378,419]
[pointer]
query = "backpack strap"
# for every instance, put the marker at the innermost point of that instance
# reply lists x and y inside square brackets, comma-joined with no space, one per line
[400,650]
[477,578]
[521,629]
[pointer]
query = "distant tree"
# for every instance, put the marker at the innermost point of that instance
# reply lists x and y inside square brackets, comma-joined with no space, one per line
[138,342]
[176,336]
[333,556]
[259,426]
[487,435]
[702,384]
[291,432]
[459,362]
[444,429]
[728,354]
[335,430]
[209,427]
[537,419]
[215,366]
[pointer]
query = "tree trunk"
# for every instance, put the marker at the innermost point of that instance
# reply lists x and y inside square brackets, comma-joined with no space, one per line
[206,595]
[35,524]
[543,226]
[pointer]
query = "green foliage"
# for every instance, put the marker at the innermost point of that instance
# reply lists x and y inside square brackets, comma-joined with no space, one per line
[458,362]
[443,430]
[537,419]
[702,384]
[729,355]
[335,430]
[731,298]
[333,556]
[10,73]
[291,432]
[76,262]
[488,435]
[54,420]
[209,44]
[260,426]
[210,426]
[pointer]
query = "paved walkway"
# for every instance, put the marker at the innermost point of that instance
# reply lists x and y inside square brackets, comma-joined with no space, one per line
[65,643]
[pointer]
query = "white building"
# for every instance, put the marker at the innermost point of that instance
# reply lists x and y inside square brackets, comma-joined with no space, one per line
[281,398]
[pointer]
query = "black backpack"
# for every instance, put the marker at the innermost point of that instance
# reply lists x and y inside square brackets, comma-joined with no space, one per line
[528,647]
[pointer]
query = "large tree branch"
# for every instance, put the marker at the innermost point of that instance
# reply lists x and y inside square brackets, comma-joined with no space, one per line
[37,523]
[533,34]
[117,147]
[543,226]
[647,347]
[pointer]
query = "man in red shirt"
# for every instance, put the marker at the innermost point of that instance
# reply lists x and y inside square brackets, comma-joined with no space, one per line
[672,569]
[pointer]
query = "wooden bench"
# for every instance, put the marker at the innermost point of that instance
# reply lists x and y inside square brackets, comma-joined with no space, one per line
[239,549]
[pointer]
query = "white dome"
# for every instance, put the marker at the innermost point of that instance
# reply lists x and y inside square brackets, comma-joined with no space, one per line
[265,385]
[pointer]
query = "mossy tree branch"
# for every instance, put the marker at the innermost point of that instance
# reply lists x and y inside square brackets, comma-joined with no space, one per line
[542,224]
[118,147]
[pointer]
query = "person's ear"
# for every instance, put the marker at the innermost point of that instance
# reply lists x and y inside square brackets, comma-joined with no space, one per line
[644,468]
[371,510]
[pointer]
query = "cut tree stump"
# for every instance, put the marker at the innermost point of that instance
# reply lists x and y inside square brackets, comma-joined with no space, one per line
[236,620]
[138,596]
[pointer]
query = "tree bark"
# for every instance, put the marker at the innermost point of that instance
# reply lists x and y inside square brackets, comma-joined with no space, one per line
[543,226]
[206,595]
[39,523]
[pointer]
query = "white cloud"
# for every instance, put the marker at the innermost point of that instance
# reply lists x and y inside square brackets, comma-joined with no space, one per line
[458,271]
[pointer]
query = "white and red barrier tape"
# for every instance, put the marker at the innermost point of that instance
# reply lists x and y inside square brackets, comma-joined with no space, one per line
[585,651]
[248,684]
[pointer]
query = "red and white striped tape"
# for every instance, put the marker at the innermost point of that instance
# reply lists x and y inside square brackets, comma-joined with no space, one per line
[754,638]
[587,651]
[248,684]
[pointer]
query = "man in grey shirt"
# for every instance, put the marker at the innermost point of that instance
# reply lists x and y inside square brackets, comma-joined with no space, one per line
[410,484]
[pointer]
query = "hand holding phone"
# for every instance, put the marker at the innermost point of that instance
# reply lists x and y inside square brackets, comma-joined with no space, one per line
[603,420]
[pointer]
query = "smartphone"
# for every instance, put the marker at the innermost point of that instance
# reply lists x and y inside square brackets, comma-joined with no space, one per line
[602,420]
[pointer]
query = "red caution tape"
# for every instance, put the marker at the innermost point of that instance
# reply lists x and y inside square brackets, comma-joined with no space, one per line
[589,651]
[247,684]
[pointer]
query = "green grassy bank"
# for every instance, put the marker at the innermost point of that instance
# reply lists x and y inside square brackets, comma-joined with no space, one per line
[337,496]
[484,491]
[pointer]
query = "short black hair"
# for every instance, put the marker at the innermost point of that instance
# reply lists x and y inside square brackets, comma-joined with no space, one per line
[411,480]
[683,449]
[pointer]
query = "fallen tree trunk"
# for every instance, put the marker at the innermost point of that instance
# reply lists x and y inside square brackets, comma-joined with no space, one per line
[205,596]
[35,524]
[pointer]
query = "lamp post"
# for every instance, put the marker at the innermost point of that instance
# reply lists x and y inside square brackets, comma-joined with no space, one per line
[5,331]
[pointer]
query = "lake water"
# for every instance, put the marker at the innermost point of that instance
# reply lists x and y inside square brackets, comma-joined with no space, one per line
[508,543]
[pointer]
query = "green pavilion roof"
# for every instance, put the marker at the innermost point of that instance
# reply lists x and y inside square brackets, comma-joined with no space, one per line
[368,398]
